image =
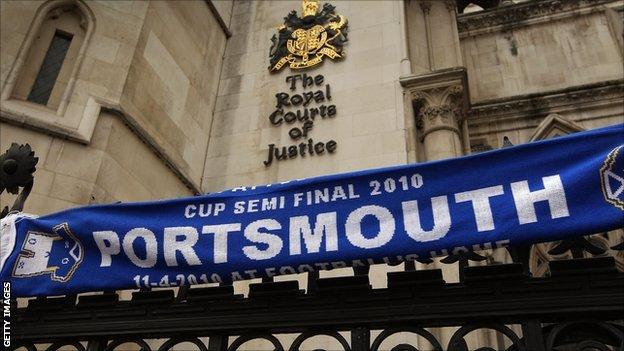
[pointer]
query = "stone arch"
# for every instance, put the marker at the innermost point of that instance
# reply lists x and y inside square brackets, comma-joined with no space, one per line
[71,13]
[554,125]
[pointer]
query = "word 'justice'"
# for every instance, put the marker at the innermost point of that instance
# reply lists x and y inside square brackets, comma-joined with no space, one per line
[299,112]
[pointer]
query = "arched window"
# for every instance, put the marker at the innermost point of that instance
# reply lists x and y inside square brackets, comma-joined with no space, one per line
[44,72]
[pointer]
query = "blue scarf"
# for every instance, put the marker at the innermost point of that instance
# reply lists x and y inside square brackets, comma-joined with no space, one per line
[542,191]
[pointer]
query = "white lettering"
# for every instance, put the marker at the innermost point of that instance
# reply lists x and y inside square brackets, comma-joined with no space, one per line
[219,207]
[108,243]
[269,204]
[298,197]
[239,207]
[441,220]
[480,199]
[253,234]
[150,247]
[171,245]
[353,227]
[221,232]
[525,199]
[189,211]
[300,228]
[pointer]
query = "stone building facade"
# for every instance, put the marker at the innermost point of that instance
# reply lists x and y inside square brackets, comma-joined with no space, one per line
[165,99]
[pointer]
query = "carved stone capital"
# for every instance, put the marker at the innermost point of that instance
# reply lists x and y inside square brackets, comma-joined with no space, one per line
[450,5]
[425,6]
[436,115]
[439,106]
[440,99]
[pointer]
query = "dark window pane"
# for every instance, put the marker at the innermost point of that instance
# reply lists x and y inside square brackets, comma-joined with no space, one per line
[50,68]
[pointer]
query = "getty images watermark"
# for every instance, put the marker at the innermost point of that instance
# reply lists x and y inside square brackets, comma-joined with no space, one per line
[6,314]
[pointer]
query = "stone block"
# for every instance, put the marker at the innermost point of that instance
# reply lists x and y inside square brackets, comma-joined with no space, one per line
[104,48]
[366,39]
[43,181]
[71,189]
[233,144]
[77,160]
[374,122]
[120,184]
[42,205]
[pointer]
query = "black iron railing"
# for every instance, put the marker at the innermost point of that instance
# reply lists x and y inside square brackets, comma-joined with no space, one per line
[580,304]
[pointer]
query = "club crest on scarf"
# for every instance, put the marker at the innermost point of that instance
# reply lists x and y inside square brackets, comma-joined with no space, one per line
[303,42]
[612,177]
[58,254]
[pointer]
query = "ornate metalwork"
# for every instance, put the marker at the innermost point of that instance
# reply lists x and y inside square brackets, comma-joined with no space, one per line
[143,346]
[576,246]
[585,335]
[61,344]
[253,336]
[17,166]
[296,345]
[588,288]
[462,258]
[435,344]
[171,343]
[457,342]
[303,42]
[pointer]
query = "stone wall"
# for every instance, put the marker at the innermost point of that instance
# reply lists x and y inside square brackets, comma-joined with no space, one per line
[224,9]
[173,79]
[108,55]
[115,166]
[165,105]
[529,61]
[148,81]
[559,49]
[368,125]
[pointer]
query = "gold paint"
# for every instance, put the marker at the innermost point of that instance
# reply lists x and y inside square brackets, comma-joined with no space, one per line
[308,47]
[310,7]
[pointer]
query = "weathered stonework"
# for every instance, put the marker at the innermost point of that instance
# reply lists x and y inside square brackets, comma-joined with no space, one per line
[440,101]
[172,98]
[518,116]
[530,12]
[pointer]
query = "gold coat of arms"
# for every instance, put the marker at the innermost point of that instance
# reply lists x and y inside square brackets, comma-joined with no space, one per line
[303,42]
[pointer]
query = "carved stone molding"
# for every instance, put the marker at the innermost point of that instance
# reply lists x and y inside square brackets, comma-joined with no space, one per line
[444,112]
[437,107]
[519,13]
[84,134]
[440,99]
[532,105]
[555,125]
[425,6]
[450,5]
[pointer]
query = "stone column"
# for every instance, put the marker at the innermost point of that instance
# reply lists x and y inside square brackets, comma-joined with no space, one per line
[438,120]
[440,102]
[437,90]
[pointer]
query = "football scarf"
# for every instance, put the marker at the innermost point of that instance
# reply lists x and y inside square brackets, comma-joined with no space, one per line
[541,191]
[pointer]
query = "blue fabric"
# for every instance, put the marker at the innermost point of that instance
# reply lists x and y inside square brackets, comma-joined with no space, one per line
[542,191]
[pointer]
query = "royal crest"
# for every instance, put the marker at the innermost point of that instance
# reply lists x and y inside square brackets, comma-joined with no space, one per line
[305,41]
